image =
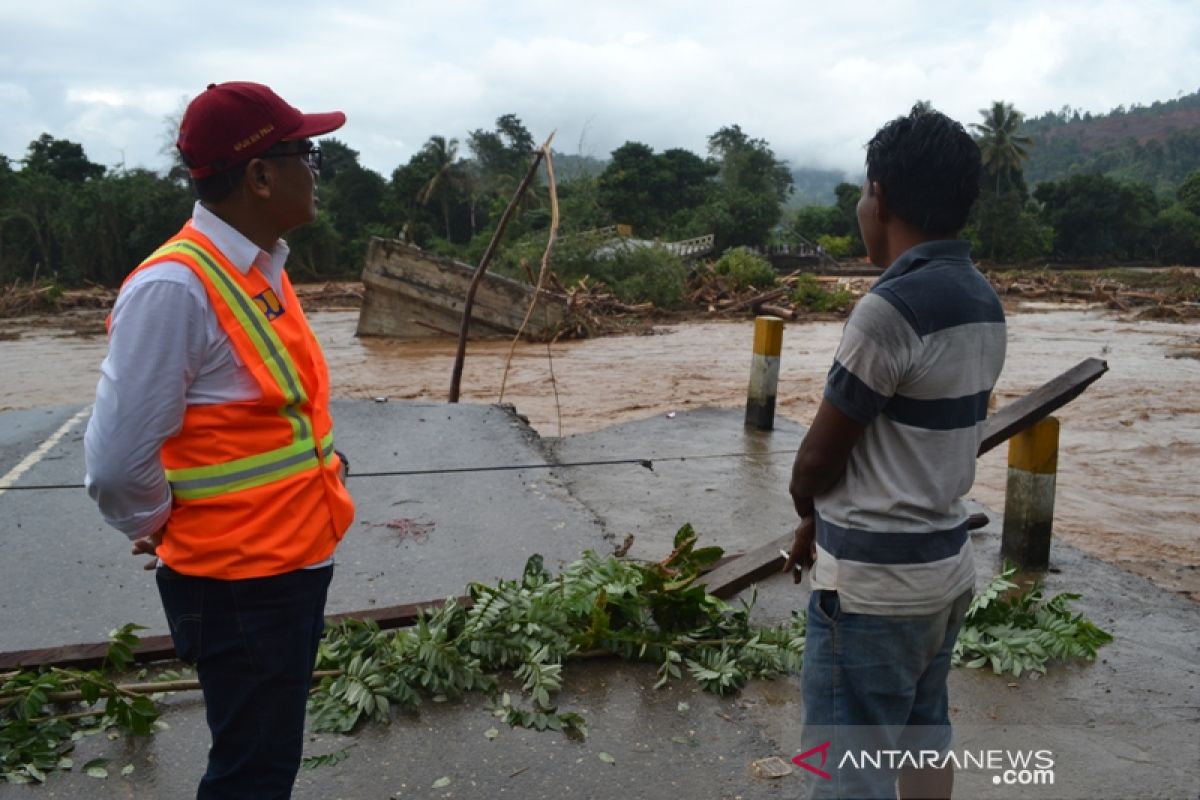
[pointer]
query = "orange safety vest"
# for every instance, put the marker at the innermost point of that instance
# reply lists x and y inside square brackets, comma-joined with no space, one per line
[254,484]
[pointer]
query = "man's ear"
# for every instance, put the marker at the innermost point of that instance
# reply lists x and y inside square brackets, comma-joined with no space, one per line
[880,197]
[258,178]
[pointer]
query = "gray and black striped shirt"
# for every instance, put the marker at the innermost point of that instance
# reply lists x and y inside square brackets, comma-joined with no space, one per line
[916,365]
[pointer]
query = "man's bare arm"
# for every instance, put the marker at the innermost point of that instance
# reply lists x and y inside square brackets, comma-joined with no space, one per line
[819,464]
[823,454]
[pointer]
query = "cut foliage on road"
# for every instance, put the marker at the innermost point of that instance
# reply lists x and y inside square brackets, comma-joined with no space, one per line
[597,606]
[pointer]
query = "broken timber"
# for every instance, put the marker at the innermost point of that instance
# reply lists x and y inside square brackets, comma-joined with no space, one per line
[160,648]
[764,561]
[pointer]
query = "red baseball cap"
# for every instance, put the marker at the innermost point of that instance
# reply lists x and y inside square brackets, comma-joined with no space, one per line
[230,123]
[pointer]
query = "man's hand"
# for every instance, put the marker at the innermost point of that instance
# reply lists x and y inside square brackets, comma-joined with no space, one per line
[343,466]
[149,546]
[804,548]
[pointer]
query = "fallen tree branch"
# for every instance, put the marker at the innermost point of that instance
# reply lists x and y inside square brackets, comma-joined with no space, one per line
[469,303]
[758,299]
[537,289]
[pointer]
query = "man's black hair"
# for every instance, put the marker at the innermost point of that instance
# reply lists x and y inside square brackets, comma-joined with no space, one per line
[215,188]
[929,168]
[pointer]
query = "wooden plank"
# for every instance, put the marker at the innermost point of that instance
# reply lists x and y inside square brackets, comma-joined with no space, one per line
[159,648]
[758,564]
[84,656]
[762,562]
[737,573]
[1040,403]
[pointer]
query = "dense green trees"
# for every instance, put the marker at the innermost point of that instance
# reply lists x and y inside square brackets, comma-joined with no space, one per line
[448,179]
[1176,229]
[752,187]
[657,194]
[62,218]
[59,159]
[1189,193]
[833,227]
[66,218]
[1156,144]
[1094,216]
[1082,217]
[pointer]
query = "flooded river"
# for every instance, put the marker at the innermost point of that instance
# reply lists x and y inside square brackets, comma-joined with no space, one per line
[1130,445]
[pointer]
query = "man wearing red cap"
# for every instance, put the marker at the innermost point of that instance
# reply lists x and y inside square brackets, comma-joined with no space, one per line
[211,444]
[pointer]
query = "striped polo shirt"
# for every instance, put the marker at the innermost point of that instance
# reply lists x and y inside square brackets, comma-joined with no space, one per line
[916,365]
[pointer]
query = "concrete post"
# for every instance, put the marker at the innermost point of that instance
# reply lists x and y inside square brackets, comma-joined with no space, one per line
[1029,498]
[764,373]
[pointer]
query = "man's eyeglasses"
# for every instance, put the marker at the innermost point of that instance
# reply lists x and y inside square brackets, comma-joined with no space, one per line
[311,156]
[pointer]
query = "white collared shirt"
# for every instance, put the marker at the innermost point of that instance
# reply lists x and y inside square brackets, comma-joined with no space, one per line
[166,351]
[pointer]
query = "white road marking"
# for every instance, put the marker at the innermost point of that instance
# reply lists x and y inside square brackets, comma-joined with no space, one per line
[20,469]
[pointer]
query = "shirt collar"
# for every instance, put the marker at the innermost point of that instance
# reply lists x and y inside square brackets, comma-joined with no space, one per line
[240,251]
[917,255]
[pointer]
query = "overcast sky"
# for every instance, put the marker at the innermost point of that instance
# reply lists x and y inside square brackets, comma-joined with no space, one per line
[815,79]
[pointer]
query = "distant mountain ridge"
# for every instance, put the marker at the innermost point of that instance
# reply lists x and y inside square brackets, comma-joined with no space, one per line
[1157,144]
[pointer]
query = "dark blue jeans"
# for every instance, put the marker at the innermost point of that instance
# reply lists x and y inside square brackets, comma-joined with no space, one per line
[873,684]
[254,643]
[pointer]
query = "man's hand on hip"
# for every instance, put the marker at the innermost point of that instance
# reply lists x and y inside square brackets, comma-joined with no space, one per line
[149,546]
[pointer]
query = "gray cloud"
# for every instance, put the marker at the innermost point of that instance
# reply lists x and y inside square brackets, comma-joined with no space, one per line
[814,80]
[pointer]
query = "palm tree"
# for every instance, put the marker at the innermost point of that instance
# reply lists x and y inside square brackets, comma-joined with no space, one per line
[1002,148]
[448,178]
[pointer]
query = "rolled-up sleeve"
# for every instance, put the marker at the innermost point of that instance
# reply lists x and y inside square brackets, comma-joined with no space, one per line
[157,343]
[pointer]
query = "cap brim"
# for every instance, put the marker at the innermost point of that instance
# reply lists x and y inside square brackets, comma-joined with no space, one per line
[317,124]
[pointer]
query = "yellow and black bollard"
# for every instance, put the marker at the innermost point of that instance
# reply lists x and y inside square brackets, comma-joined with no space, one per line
[764,373]
[1029,497]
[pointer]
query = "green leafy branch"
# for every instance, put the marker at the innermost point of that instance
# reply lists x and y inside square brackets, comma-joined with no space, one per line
[596,606]
[37,734]
[1020,631]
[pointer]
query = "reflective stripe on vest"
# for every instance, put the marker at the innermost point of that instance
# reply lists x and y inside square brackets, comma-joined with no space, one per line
[193,483]
[258,328]
[197,483]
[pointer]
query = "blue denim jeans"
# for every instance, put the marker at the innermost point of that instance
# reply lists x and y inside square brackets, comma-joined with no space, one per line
[873,684]
[254,643]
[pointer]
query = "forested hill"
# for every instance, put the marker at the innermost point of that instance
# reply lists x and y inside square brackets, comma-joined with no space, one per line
[1158,144]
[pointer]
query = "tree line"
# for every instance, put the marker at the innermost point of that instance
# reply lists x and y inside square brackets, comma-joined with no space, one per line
[1083,217]
[1158,144]
[66,219]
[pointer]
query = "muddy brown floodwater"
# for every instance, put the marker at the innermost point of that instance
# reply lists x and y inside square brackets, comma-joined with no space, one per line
[1129,461]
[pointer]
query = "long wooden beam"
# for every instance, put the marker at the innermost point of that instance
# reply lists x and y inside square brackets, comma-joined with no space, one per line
[762,562]
[159,648]
[1040,403]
